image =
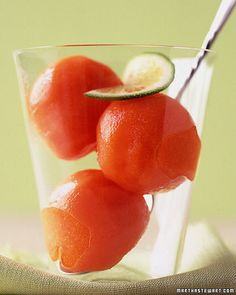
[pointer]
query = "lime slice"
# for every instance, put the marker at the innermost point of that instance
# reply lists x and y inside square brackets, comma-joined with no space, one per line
[145,74]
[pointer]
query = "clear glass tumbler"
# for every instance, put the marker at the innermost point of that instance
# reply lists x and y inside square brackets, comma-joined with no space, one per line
[95,160]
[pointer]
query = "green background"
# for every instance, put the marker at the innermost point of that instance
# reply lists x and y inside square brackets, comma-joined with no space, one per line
[26,23]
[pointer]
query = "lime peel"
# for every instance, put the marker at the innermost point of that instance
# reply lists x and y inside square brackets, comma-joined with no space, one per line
[144,75]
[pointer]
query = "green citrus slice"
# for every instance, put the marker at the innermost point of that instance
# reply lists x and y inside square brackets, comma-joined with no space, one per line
[145,74]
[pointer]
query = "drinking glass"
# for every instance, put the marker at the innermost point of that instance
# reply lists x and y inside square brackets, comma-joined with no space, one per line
[158,252]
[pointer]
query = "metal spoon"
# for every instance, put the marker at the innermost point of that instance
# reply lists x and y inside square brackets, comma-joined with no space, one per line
[222,15]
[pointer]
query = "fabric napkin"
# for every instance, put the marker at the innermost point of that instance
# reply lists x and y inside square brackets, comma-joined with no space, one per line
[215,272]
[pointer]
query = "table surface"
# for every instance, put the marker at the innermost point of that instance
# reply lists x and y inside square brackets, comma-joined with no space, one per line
[24,232]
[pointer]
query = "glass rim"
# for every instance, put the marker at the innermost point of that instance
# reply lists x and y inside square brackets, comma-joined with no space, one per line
[138,45]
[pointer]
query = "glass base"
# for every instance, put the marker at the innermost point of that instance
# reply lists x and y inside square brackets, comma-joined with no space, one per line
[128,270]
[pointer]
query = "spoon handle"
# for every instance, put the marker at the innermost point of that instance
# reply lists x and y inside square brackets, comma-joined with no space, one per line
[225,9]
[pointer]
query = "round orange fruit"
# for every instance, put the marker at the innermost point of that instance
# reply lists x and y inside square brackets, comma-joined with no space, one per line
[148,144]
[91,222]
[64,117]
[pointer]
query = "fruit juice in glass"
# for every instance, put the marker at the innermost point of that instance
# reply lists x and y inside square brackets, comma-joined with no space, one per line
[114,152]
